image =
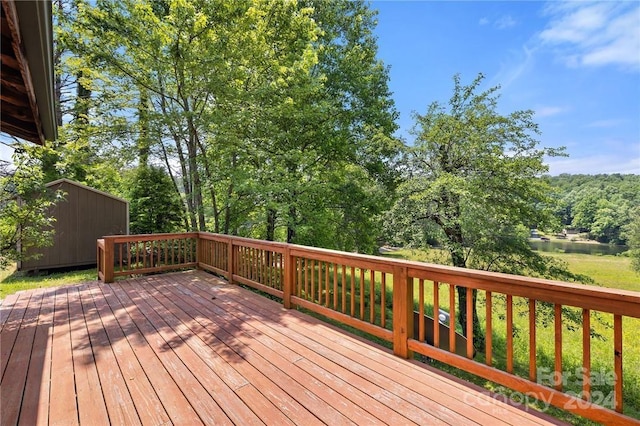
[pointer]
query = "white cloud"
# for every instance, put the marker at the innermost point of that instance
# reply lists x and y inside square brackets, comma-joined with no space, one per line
[505,22]
[548,111]
[595,34]
[594,165]
[516,64]
[607,123]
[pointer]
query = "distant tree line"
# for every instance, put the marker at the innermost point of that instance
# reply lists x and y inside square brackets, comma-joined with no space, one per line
[602,206]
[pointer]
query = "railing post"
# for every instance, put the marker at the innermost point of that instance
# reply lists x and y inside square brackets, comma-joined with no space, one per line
[109,248]
[230,260]
[402,311]
[99,259]
[289,273]
[198,249]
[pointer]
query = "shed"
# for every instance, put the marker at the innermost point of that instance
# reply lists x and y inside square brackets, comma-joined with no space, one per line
[83,216]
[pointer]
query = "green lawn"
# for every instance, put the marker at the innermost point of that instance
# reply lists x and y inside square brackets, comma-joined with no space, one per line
[607,271]
[12,281]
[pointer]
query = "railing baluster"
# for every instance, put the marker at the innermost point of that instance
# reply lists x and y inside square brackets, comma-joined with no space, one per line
[383,300]
[469,322]
[144,254]
[335,286]
[362,295]
[256,268]
[306,278]
[617,350]
[166,252]
[557,322]
[421,310]
[299,285]
[353,292]
[313,281]
[120,259]
[532,340]
[344,288]
[289,284]
[326,281]
[320,282]
[509,333]
[436,314]
[245,261]
[452,318]
[252,264]
[586,354]
[372,296]
[489,331]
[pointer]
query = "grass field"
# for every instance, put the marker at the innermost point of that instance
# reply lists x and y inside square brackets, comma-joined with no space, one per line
[606,271]
[12,281]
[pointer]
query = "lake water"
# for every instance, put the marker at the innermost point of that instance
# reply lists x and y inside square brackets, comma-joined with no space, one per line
[571,247]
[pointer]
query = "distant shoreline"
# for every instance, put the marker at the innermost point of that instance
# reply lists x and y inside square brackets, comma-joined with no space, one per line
[567,240]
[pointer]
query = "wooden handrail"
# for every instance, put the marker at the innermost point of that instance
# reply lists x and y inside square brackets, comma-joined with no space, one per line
[352,288]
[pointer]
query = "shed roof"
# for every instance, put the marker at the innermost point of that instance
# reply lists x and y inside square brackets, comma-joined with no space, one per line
[27,92]
[88,188]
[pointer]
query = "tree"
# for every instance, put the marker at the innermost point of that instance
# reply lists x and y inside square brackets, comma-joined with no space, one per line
[25,223]
[206,68]
[154,206]
[632,234]
[600,205]
[330,149]
[259,111]
[473,182]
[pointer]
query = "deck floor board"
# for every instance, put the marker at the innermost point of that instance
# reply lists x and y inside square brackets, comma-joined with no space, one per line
[188,348]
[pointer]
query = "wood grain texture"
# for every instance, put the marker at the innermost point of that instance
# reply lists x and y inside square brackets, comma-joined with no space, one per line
[188,348]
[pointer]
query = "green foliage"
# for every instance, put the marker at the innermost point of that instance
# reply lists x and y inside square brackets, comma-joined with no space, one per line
[154,207]
[600,205]
[25,223]
[473,182]
[273,119]
[632,235]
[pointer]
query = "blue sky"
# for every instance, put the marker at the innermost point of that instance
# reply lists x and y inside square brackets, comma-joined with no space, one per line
[576,64]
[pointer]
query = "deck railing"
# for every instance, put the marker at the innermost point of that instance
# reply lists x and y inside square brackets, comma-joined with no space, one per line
[383,297]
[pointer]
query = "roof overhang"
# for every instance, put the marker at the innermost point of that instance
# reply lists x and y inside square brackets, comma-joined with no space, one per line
[27,92]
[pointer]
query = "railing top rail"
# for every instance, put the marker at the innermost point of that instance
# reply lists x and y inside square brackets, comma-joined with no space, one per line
[475,278]
[574,294]
[151,237]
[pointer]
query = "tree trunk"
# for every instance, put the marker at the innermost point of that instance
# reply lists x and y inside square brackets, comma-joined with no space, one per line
[478,334]
[291,230]
[458,259]
[210,186]
[271,224]
[144,141]
[185,212]
[194,172]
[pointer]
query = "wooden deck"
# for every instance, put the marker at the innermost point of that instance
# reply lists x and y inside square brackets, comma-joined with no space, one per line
[188,348]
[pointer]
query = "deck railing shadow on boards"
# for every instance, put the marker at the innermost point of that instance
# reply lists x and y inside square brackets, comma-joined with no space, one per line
[383,297]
